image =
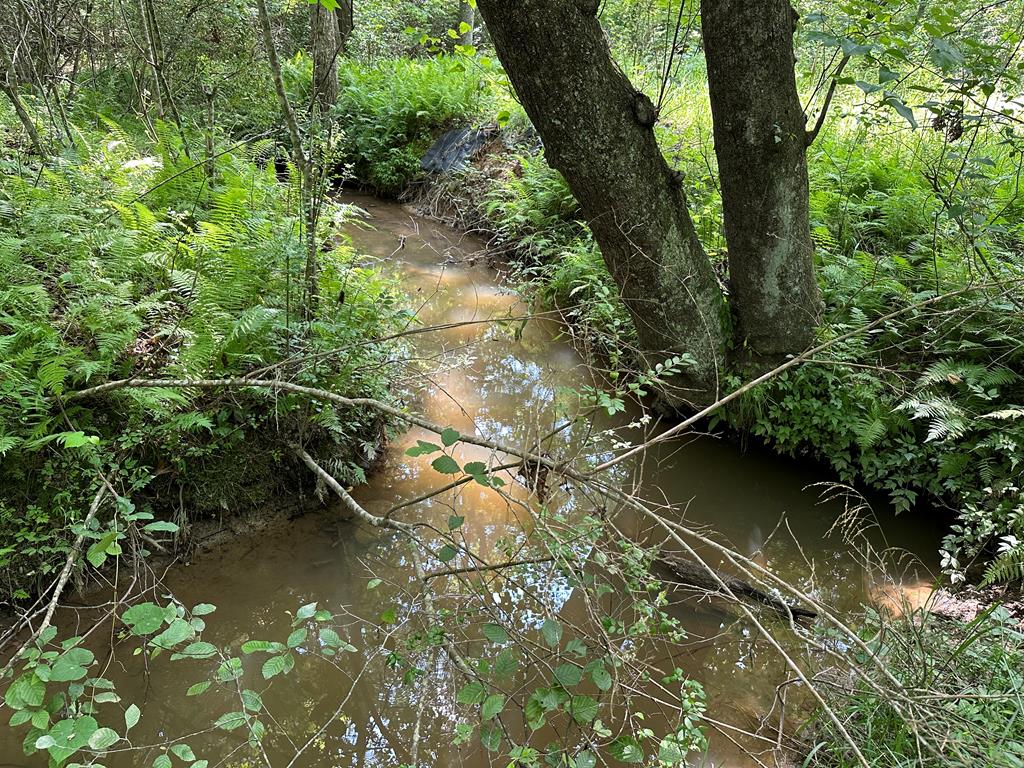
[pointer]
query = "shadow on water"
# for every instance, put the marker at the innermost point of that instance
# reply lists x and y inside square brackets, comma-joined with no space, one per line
[503,385]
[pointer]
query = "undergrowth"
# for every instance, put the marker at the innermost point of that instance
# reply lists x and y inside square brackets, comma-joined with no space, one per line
[926,407]
[122,260]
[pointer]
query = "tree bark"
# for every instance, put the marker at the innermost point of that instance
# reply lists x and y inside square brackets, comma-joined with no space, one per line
[759,129]
[598,132]
[467,16]
[344,16]
[9,86]
[299,158]
[323,28]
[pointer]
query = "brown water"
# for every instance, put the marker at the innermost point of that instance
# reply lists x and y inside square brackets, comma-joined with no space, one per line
[507,382]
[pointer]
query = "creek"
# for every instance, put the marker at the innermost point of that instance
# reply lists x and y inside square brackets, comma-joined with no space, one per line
[507,381]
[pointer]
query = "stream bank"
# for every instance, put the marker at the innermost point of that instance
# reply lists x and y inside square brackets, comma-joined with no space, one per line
[482,374]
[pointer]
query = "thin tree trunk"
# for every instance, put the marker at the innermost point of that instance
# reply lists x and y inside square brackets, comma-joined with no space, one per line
[467,16]
[9,85]
[344,16]
[302,163]
[759,129]
[150,54]
[598,131]
[323,28]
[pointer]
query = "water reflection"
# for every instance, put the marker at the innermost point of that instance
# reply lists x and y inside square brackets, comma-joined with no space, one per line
[502,381]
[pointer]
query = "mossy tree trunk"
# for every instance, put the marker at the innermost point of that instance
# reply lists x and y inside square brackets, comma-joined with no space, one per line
[598,132]
[760,142]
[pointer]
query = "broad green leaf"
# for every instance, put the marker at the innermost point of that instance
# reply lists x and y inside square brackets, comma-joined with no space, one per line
[471,693]
[178,631]
[162,761]
[505,664]
[103,738]
[583,709]
[143,618]
[495,633]
[568,675]
[131,717]
[551,631]
[27,691]
[183,752]
[297,638]
[492,706]
[455,521]
[198,688]
[490,736]
[197,650]
[626,749]
[447,553]
[71,665]
[203,609]
[305,612]
[277,665]
[374,583]
[450,437]
[229,721]
[445,465]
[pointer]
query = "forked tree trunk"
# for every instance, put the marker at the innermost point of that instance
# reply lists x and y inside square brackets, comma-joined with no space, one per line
[598,131]
[759,129]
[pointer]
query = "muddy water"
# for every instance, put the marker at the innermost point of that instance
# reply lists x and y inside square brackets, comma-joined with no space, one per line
[510,381]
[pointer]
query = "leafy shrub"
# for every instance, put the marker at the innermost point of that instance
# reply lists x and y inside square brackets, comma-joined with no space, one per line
[196,279]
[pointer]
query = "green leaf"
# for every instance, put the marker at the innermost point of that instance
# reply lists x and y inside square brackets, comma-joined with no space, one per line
[471,693]
[626,749]
[257,646]
[297,638]
[505,664]
[551,631]
[602,677]
[671,751]
[27,691]
[495,633]
[568,675]
[585,759]
[162,761]
[183,752]
[374,583]
[902,109]
[103,738]
[131,717]
[583,709]
[305,612]
[203,609]
[492,706]
[229,721]
[490,736]
[278,665]
[178,631]
[475,468]
[71,665]
[455,521]
[198,688]
[161,526]
[450,437]
[445,465]
[198,650]
[447,553]
[422,448]
[251,701]
[143,618]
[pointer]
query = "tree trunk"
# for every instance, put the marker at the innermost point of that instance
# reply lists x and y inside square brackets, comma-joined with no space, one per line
[323,29]
[9,85]
[299,158]
[759,129]
[467,16]
[344,17]
[598,131]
